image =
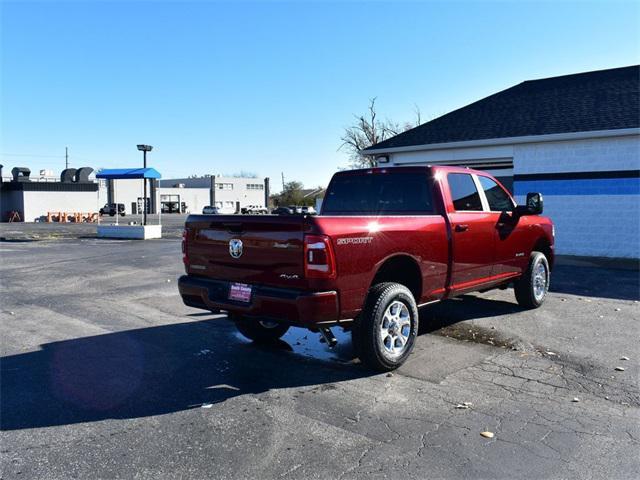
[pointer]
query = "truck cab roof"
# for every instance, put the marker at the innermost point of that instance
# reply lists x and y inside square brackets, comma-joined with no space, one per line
[411,169]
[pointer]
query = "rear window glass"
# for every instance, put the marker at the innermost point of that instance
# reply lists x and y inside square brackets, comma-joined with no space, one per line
[378,194]
[464,193]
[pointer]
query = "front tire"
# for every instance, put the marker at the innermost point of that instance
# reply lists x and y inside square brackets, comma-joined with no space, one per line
[532,287]
[260,331]
[384,334]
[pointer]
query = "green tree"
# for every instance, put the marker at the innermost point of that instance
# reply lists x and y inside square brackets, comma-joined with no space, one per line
[291,194]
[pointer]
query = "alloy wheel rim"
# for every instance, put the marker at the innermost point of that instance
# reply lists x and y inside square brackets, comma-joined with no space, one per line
[539,281]
[395,329]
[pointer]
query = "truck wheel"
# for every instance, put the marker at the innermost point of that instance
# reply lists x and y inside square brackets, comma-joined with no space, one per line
[384,334]
[532,287]
[260,331]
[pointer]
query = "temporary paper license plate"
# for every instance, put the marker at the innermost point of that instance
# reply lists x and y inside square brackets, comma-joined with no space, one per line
[240,292]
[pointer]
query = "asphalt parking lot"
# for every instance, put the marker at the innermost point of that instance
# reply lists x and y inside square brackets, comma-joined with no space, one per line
[106,374]
[172,226]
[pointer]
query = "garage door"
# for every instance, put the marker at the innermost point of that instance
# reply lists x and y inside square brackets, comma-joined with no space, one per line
[501,168]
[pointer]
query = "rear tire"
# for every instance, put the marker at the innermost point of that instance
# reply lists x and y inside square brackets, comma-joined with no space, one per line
[532,287]
[384,334]
[260,331]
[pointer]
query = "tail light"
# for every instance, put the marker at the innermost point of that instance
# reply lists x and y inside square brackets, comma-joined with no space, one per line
[185,257]
[319,260]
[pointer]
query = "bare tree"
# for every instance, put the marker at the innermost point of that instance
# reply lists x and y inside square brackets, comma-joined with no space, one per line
[369,130]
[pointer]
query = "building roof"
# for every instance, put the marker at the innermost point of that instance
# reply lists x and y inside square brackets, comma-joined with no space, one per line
[128,173]
[312,192]
[582,102]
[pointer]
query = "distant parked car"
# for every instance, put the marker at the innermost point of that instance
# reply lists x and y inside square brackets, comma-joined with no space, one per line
[110,209]
[283,211]
[254,210]
[294,210]
[309,210]
[209,210]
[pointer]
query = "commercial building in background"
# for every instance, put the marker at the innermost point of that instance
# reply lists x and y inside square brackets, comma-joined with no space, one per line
[228,193]
[77,190]
[190,195]
[575,138]
[33,199]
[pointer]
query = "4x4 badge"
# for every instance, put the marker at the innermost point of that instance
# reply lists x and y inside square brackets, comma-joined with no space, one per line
[235,247]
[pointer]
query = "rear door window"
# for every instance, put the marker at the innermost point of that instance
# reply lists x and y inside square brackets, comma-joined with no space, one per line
[464,193]
[499,200]
[378,194]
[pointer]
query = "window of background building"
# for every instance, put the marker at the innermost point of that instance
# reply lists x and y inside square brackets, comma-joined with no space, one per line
[255,186]
[225,186]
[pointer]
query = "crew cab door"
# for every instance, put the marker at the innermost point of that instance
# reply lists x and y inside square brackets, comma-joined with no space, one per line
[510,239]
[473,233]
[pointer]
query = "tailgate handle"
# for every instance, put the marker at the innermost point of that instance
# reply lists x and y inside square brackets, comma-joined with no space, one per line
[235,227]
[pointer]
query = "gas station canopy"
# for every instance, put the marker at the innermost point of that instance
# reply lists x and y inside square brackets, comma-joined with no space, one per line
[128,173]
[133,230]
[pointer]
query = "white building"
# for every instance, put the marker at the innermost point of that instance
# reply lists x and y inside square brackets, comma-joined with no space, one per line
[34,199]
[575,138]
[189,195]
[229,193]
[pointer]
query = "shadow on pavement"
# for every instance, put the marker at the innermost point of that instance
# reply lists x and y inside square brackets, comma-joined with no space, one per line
[596,282]
[467,307]
[148,371]
[168,368]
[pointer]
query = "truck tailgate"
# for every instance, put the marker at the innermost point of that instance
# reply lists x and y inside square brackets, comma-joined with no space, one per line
[263,250]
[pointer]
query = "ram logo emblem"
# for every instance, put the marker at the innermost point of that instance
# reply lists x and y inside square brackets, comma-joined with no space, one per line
[235,247]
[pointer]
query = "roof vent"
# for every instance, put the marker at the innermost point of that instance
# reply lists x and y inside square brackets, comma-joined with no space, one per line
[82,174]
[67,175]
[21,174]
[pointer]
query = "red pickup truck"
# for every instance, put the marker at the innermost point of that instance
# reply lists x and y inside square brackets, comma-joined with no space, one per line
[387,241]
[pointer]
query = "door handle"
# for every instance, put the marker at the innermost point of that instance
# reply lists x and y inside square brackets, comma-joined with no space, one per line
[461,227]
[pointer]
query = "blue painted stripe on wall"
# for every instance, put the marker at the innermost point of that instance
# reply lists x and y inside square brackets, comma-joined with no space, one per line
[595,186]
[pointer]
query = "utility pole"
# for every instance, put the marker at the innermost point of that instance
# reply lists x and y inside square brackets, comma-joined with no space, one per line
[66,157]
[282,173]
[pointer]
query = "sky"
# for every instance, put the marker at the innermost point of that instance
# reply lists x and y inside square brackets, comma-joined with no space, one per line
[268,87]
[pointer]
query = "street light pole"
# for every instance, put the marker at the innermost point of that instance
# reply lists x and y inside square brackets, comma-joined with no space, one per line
[144,181]
[144,149]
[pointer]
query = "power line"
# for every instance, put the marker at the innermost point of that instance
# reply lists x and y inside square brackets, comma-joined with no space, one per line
[29,155]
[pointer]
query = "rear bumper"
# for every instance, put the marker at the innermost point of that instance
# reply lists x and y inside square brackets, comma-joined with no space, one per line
[291,306]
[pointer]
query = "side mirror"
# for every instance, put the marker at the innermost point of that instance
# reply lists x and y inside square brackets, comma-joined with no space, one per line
[534,205]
